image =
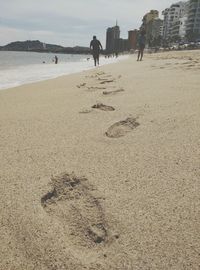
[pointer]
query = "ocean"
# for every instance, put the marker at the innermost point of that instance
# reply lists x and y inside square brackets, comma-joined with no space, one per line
[17,68]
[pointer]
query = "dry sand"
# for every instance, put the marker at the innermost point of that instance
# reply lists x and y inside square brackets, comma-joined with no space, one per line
[95,188]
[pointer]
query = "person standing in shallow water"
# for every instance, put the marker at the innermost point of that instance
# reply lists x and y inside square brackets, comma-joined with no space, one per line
[141,45]
[96,47]
[56,59]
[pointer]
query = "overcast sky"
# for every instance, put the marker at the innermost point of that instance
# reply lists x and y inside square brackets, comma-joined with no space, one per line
[71,22]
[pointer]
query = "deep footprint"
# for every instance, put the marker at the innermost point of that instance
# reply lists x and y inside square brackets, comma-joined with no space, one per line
[71,202]
[103,107]
[113,92]
[121,128]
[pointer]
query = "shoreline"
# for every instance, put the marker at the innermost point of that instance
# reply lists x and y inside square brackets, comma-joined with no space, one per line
[99,170]
[40,72]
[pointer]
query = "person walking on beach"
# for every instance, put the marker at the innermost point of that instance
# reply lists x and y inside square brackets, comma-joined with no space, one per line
[95,46]
[141,45]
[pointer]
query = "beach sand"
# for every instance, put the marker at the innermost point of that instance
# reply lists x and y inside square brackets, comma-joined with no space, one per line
[115,186]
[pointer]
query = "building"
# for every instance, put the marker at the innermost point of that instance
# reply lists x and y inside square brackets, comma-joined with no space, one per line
[112,34]
[115,44]
[178,26]
[166,22]
[132,39]
[193,22]
[121,45]
[174,23]
[183,26]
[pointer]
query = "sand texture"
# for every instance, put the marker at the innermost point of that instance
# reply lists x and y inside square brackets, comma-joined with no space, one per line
[101,170]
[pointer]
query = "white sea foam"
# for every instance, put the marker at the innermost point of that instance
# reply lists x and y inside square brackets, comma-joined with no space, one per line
[13,73]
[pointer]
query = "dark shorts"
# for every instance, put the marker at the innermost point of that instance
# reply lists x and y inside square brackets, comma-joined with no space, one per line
[141,46]
[96,55]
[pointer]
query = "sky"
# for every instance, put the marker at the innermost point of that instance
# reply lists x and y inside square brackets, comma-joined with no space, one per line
[71,22]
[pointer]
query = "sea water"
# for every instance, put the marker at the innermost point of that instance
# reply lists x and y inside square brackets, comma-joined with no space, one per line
[17,68]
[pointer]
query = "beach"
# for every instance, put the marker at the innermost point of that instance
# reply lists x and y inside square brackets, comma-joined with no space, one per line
[110,187]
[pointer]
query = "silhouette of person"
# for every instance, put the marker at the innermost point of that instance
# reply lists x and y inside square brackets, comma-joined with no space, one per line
[141,45]
[95,46]
[56,59]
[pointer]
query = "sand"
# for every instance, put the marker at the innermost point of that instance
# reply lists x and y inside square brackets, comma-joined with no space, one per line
[101,188]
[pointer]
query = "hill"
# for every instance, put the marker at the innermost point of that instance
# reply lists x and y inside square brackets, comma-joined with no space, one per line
[38,46]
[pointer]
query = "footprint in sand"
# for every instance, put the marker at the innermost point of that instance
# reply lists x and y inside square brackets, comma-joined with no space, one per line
[107,81]
[100,73]
[93,88]
[81,85]
[121,128]
[97,75]
[71,202]
[103,107]
[85,111]
[113,92]
[106,78]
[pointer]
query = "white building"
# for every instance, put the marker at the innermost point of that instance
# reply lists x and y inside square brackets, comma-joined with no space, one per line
[183,25]
[175,18]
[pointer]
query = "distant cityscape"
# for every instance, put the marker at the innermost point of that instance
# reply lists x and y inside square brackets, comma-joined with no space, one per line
[180,24]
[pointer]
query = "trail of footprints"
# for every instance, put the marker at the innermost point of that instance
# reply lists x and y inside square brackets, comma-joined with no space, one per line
[71,200]
[184,63]
[120,128]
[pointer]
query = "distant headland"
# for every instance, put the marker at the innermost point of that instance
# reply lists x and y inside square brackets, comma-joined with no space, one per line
[38,46]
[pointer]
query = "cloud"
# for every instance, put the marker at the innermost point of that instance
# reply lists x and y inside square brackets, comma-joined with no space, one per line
[68,22]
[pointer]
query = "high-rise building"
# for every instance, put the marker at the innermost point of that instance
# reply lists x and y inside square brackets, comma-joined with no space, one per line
[132,39]
[121,45]
[175,18]
[193,22]
[112,34]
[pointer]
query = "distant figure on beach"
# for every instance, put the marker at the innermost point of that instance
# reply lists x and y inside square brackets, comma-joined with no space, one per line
[141,45]
[56,59]
[96,47]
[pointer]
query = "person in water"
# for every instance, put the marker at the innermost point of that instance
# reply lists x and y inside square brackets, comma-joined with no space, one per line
[56,59]
[96,47]
[141,45]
